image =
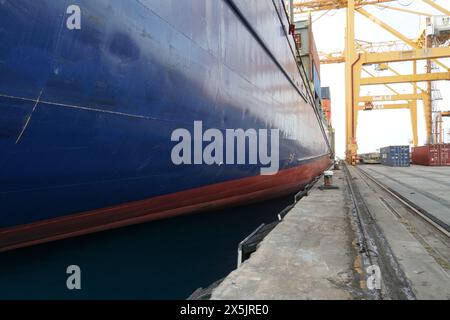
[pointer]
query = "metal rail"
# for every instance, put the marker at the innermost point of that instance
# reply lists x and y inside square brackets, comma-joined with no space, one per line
[363,235]
[376,248]
[438,224]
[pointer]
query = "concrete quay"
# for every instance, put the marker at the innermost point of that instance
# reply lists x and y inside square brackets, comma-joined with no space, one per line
[324,246]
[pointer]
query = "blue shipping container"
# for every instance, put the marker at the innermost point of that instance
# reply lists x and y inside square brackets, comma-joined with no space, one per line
[395,156]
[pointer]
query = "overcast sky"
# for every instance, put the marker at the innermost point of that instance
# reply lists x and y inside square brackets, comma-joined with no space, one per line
[384,127]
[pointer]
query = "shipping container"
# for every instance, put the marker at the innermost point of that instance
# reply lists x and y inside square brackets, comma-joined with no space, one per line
[326,106]
[309,55]
[432,155]
[332,138]
[426,155]
[445,154]
[395,156]
[316,81]
[326,93]
[314,52]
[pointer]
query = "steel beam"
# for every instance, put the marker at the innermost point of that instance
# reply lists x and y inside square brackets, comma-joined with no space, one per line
[410,55]
[404,10]
[386,106]
[437,7]
[394,97]
[393,31]
[320,5]
[374,76]
[406,78]
[351,85]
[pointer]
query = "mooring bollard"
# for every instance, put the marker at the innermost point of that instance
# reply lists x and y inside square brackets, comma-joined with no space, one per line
[328,176]
[328,181]
[337,165]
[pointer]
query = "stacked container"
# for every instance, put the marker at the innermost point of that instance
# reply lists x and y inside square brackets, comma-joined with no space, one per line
[309,54]
[395,156]
[432,155]
[326,103]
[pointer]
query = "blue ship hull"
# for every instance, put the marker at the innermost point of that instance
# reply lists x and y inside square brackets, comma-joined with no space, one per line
[86,114]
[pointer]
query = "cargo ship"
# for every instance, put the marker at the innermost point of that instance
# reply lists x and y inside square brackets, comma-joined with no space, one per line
[91,92]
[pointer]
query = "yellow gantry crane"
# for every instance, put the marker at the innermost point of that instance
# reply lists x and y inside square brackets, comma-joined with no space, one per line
[359,54]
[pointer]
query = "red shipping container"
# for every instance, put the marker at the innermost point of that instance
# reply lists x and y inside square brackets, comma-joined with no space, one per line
[432,155]
[445,154]
[326,105]
[426,155]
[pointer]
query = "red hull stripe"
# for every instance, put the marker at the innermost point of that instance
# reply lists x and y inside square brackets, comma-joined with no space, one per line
[195,200]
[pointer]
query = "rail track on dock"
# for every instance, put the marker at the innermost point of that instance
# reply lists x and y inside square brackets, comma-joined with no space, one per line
[375,250]
[426,216]
[373,204]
